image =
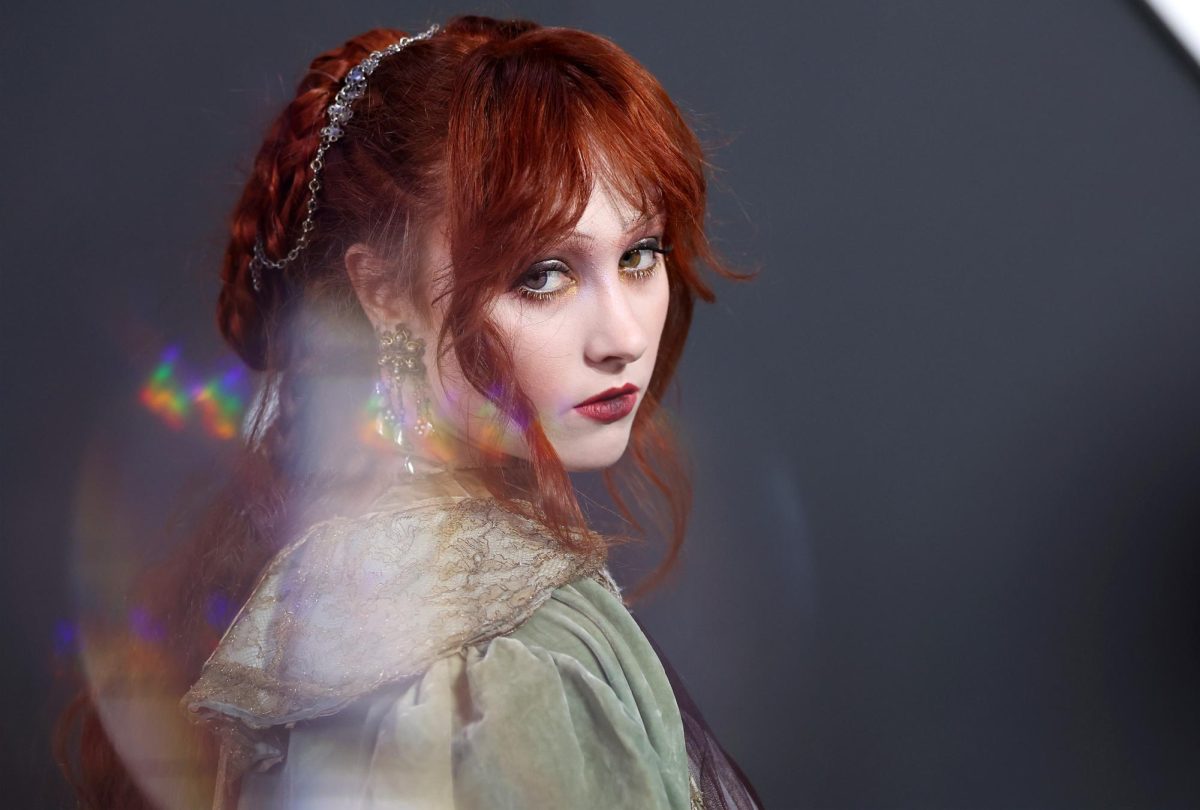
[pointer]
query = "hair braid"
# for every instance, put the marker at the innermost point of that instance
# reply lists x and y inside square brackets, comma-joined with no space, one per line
[272,205]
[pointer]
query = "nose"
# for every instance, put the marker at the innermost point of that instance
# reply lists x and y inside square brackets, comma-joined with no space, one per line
[615,335]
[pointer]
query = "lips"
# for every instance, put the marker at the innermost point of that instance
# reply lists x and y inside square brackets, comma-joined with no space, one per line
[627,388]
[609,406]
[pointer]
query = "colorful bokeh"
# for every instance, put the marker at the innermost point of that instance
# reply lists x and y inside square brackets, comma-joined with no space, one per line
[177,396]
[162,394]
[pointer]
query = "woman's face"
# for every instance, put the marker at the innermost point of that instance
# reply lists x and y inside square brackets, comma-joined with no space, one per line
[584,321]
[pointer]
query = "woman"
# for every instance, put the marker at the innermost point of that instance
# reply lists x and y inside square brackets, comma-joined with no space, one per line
[466,261]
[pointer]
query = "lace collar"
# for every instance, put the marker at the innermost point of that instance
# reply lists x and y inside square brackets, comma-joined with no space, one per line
[360,602]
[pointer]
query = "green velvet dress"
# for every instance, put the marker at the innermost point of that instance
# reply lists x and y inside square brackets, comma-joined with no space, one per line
[440,652]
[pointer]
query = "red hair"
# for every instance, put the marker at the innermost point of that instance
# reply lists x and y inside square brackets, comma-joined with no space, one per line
[500,129]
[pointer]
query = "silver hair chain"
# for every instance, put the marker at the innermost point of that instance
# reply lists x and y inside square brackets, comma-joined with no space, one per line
[338,113]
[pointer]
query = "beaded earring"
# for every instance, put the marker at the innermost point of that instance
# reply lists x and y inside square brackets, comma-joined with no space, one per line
[400,360]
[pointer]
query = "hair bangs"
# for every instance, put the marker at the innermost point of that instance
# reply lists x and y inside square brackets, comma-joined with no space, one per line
[538,122]
[516,168]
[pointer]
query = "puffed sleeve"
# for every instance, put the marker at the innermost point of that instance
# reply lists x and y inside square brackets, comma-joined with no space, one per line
[572,710]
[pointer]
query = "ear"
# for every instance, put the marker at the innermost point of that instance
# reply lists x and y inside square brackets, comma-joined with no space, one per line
[368,275]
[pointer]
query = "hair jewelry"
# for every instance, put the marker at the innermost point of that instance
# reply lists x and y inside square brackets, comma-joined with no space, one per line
[338,113]
[401,358]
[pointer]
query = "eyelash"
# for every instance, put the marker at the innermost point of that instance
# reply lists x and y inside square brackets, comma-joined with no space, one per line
[652,244]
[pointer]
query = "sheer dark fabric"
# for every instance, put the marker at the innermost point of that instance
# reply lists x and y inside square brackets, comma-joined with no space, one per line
[723,784]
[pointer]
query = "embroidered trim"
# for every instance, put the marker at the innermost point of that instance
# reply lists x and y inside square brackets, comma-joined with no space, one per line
[357,603]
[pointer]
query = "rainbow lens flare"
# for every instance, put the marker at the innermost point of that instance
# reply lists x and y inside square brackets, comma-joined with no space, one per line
[161,393]
[218,402]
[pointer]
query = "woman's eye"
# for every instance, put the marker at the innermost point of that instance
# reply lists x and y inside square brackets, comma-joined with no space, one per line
[642,258]
[544,281]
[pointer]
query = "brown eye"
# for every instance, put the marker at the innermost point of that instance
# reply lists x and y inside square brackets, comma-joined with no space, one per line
[642,257]
[639,259]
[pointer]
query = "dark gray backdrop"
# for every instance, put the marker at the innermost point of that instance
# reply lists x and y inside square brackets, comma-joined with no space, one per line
[948,444]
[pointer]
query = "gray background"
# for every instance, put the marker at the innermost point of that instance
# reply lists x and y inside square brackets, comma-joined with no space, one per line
[947,446]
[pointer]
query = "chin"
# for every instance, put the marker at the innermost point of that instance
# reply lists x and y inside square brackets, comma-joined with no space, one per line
[591,456]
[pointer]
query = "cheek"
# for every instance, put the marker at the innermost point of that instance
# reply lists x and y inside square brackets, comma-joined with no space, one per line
[544,349]
[546,352]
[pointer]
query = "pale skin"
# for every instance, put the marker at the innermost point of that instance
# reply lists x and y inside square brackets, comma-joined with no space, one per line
[597,327]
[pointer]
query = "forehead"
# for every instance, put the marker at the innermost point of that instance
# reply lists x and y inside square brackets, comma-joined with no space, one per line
[610,214]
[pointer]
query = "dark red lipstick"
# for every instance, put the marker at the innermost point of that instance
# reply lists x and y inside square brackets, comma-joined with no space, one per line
[611,405]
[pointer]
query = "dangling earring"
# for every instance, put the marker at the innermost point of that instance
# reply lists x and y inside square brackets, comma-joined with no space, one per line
[400,359]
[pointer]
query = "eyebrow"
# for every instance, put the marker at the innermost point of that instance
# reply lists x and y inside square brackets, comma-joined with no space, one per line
[630,226]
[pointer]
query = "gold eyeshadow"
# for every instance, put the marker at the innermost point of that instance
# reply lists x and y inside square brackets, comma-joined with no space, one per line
[633,275]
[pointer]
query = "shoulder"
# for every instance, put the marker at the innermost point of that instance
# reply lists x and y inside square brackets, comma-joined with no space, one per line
[570,709]
[359,602]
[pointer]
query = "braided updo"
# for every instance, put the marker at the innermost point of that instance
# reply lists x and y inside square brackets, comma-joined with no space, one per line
[271,206]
